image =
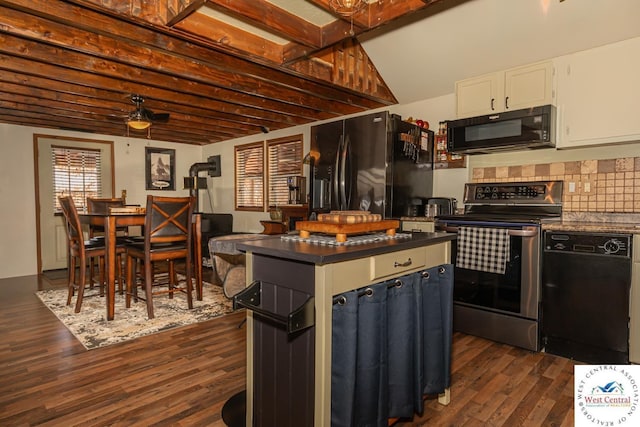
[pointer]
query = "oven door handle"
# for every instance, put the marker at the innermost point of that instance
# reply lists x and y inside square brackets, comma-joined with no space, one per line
[525,232]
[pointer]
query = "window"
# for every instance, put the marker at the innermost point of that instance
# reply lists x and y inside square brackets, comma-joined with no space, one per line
[284,159]
[249,167]
[76,172]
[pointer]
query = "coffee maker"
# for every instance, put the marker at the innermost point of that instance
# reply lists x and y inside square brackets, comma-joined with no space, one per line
[297,190]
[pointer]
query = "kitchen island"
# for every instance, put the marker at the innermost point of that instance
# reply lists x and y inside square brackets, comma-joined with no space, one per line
[289,351]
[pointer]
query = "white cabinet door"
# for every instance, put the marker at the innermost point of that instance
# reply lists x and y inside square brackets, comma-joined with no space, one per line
[516,88]
[601,96]
[529,86]
[478,96]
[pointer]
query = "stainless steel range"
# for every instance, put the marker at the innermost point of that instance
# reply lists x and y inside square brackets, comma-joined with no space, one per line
[498,259]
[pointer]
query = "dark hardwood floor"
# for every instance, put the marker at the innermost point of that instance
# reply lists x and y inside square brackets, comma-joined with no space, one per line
[183,377]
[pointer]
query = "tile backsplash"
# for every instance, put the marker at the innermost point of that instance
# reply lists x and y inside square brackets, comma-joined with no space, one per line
[610,185]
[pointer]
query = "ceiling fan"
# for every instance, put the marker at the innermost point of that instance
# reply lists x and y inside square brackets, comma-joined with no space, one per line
[142,118]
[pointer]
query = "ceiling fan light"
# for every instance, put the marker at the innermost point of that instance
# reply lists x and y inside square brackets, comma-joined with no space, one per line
[139,124]
[138,121]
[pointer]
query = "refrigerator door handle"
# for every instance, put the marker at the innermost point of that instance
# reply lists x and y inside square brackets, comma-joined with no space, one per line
[345,174]
[335,177]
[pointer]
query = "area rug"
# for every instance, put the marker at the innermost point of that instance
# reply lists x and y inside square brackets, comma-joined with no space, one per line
[92,329]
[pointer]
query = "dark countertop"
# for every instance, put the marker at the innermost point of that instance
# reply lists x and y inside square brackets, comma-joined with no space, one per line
[322,254]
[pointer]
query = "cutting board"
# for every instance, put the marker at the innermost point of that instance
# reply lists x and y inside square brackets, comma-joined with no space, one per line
[343,230]
[348,217]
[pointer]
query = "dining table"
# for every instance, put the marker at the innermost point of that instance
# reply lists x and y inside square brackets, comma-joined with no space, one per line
[110,222]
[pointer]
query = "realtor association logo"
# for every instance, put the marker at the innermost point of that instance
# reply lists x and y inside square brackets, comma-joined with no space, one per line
[607,395]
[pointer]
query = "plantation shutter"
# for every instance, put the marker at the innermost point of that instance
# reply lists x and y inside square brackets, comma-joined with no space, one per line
[76,173]
[249,169]
[284,160]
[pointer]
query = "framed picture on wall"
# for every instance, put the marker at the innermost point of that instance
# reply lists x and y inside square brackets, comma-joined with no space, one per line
[160,168]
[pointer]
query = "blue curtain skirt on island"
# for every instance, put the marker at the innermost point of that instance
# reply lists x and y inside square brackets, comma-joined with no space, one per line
[391,344]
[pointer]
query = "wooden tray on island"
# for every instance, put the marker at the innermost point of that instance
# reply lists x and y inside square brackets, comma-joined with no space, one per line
[343,230]
[349,217]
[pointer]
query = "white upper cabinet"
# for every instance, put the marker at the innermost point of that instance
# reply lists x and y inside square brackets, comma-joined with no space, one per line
[513,89]
[477,96]
[599,95]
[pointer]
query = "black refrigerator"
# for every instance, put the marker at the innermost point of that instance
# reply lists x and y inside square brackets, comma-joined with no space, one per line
[375,162]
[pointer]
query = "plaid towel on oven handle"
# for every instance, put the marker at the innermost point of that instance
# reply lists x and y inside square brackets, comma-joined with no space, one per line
[483,248]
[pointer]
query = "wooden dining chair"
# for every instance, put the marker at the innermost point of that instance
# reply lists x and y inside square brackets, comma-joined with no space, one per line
[101,206]
[81,252]
[168,235]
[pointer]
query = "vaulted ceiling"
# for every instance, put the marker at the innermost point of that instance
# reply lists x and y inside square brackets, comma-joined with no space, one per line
[221,68]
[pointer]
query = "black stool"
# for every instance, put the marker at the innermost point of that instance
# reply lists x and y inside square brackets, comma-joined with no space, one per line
[234,411]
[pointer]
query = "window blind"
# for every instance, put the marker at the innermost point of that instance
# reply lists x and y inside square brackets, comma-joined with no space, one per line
[249,179]
[76,172]
[284,160]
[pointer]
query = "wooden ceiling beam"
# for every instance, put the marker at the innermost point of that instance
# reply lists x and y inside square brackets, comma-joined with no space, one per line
[152,11]
[137,63]
[211,55]
[177,10]
[201,25]
[269,17]
[162,40]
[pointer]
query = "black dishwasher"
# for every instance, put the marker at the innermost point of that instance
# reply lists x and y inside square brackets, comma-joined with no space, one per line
[586,280]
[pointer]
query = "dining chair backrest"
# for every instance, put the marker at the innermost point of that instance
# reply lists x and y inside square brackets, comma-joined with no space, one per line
[74,227]
[168,219]
[102,205]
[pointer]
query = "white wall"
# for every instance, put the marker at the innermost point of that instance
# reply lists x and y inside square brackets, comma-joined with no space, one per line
[18,244]
[18,214]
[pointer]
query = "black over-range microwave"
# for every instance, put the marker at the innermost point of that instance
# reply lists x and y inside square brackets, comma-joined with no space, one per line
[513,130]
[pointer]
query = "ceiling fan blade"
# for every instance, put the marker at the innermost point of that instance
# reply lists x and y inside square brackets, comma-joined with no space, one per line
[142,113]
[160,117]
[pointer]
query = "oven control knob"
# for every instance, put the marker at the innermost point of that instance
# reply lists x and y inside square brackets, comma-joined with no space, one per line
[612,246]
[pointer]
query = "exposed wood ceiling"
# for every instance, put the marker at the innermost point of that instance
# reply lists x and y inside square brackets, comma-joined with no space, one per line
[221,68]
